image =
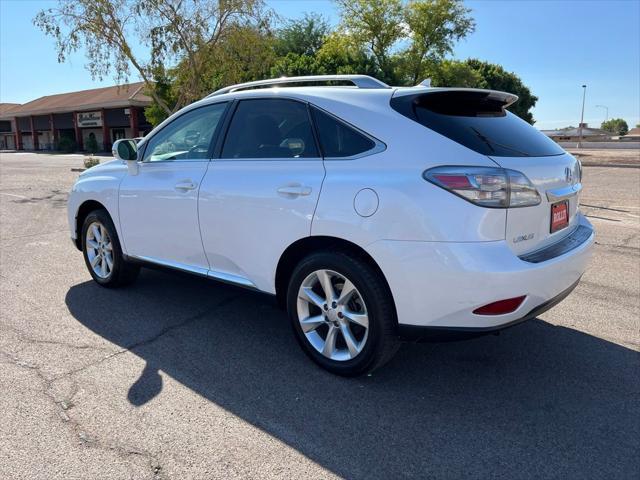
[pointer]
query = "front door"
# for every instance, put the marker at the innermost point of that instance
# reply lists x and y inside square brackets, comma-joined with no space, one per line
[260,196]
[159,206]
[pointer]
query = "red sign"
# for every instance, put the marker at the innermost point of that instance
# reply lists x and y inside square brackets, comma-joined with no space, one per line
[559,216]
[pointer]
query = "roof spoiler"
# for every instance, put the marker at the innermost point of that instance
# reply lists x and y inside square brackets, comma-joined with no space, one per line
[505,98]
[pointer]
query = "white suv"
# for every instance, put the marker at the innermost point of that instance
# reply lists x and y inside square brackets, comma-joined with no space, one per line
[373,213]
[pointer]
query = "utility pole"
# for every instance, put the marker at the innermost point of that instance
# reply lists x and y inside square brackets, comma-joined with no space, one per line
[606,115]
[584,94]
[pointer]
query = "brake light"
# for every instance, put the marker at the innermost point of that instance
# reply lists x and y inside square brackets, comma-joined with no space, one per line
[500,307]
[453,181]
[486,186]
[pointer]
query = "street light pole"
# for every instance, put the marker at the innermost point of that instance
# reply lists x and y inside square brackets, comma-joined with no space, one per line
[584,94]
[606,115]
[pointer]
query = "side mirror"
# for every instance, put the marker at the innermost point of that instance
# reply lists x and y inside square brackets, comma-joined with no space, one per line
[125,149]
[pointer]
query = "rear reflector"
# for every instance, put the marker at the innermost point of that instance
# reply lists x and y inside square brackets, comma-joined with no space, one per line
[500,307]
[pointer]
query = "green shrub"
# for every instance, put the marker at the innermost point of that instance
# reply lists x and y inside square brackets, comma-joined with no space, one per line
[66,145]
[91,161]
[91,144]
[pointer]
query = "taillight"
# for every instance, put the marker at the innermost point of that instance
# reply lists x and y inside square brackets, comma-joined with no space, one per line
[500,307]
[486,186]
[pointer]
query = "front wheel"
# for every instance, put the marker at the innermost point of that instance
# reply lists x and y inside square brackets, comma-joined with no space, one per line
[103,254]
[342,313]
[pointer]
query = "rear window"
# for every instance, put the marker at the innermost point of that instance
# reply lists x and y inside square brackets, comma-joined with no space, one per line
[337,139]
[478,122]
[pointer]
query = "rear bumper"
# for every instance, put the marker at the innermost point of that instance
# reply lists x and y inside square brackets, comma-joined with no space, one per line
[415,333]
[437,285]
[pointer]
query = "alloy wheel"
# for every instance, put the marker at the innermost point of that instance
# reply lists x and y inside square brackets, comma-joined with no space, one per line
[99,250]
[332,315]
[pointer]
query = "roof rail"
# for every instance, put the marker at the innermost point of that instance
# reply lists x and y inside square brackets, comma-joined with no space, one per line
[360,81]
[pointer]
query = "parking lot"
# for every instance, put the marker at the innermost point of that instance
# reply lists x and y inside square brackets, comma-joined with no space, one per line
[181,377]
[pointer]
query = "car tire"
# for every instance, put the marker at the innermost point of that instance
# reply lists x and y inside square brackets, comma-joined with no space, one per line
[333,332]
[103,254]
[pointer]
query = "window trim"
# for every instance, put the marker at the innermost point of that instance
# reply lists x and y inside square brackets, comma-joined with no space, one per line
[378,147]
[223,138]
[212,143]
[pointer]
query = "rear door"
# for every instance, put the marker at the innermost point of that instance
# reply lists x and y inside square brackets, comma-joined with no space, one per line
[260,195]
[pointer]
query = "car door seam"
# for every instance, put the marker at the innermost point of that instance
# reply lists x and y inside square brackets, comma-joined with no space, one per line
[123,243]
[204,250]
[315,209]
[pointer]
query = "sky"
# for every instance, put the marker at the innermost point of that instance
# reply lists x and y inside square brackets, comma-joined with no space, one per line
[555,46]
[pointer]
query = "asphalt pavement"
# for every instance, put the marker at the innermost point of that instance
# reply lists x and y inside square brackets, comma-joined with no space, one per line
[180,377]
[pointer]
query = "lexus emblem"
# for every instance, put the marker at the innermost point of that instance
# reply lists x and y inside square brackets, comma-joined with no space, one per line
[568,174]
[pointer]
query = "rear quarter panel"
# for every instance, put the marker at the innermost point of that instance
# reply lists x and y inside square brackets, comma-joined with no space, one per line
[410,208]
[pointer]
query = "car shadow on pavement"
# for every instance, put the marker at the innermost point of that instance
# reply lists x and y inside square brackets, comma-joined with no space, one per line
[537,401]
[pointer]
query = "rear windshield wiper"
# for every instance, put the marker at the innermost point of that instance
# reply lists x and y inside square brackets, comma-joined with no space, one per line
[490,142]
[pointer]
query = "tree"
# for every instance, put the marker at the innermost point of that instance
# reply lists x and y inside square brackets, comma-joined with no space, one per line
[338,55]
[376,25]
[404,38]
[454,73]
[162,87]
[617,126]
[434,26]
[142,36]
[245,53]
[497,78]
[303,36]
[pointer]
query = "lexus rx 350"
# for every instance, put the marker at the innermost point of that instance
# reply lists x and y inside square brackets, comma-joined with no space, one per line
[372,213]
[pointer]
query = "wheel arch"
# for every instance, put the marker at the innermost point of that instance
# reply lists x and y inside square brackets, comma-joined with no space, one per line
[305,246]
[85,209]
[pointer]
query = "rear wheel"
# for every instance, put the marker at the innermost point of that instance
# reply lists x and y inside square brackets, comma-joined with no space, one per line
[342,313]
[103,254]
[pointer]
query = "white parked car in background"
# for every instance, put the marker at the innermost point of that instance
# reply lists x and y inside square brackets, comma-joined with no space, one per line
[373,213]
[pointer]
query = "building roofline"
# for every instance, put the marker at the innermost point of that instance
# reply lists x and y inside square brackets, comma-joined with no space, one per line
[82,100]
[84,108]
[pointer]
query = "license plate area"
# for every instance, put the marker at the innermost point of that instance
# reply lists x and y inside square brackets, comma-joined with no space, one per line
[559,216]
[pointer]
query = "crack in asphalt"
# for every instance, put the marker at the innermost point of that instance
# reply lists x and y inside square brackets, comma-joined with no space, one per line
[612,246]
[22,337]
[34,235]
[65,404]
[147,341]
[604,208]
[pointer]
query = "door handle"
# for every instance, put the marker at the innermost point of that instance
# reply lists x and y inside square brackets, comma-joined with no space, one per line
[295,190]
[185,186]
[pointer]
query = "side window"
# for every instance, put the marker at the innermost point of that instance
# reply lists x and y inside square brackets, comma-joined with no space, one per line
[270,128]
[186,138]
[337,139]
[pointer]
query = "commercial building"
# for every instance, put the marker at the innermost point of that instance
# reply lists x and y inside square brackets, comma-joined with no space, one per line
[7,137]
[573,134]
[101,114]
[632,135]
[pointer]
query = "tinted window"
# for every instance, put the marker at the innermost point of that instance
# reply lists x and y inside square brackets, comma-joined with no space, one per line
[478,122]
[186,138]
[338,139]
[270,128]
